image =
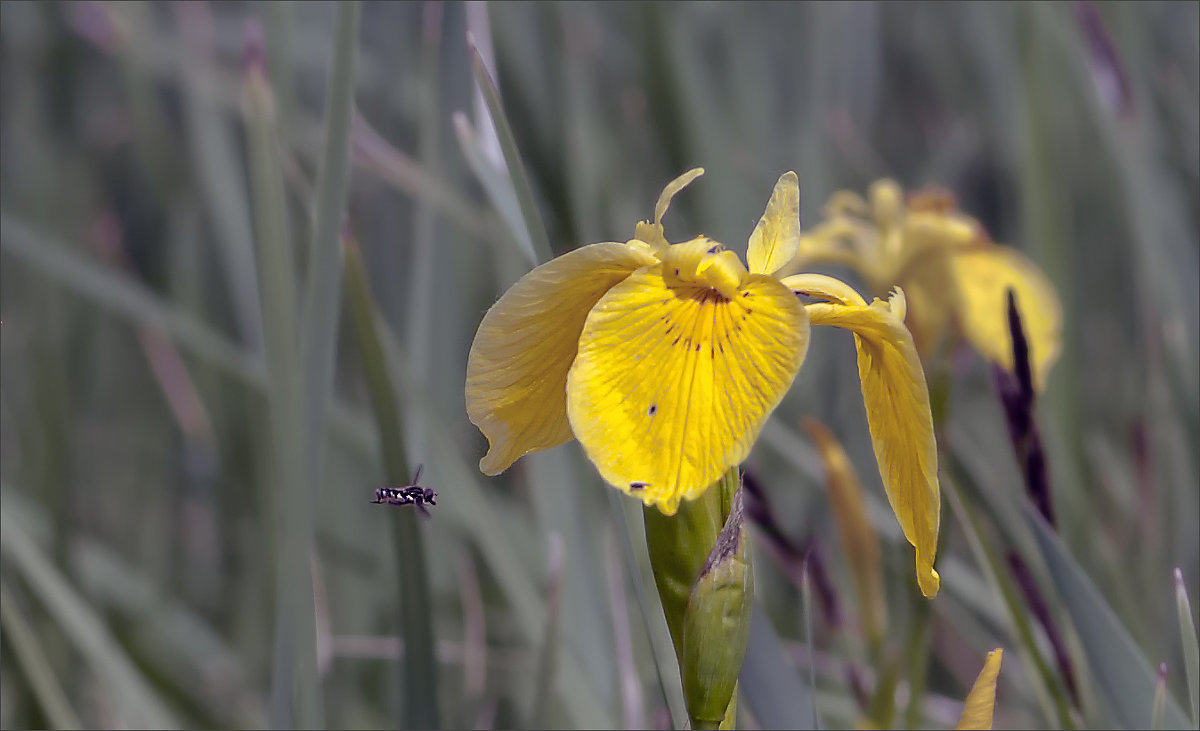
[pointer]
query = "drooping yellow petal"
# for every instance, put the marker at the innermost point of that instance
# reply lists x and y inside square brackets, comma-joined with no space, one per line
[673,383]
[859,541]
[776,238]
[517,369]
[984,275]
[897,403]
[981,701]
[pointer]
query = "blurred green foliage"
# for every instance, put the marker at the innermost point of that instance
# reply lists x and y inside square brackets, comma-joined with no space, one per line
[141,518]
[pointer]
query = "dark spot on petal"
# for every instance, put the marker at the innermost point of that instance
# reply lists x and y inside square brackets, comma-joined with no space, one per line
[745,294]
[749,311]
[677,271]
[669,329]
[714,248]
[638,485]
[676,340]
[697,347]
[653,409]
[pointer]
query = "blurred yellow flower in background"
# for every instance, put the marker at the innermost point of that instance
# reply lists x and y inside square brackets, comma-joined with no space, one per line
[981,701]
[947,266]
[665,361]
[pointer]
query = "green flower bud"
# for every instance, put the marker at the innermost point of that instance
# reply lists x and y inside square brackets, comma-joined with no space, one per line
[716,623]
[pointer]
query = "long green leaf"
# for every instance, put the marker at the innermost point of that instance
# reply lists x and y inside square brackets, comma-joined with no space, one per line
[295,686]
[1191,650]
[770,684]
[416,623]
[137,702]
[31,659]
[512,158]
[1126,680]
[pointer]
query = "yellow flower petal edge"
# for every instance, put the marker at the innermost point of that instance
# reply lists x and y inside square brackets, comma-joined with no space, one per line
[981,701]
[674,380]
[776,238]
[517,368]
[897,403]
[983,277]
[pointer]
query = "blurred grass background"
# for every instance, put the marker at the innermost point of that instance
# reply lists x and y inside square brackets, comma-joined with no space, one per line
[159,544]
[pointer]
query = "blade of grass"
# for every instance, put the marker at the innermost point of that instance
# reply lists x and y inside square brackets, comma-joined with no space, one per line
[416,624]
[1125,678]
[31,659]
[630,681]
[295,685]
[627,515]
[548,655]
[139,705]
[806,610]
[1048,692]
[323,297]
[1191,650]
[771,686]
[214,152]
[508,268]
[319,340]
[534,228]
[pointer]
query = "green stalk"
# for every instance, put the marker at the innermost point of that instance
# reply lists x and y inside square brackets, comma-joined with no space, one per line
[295,688]
[701,565]
[324,278]
[678,546]
[32,661]
[1191,651]
[543,691]
[416,623]
[538,239]
[1050,691]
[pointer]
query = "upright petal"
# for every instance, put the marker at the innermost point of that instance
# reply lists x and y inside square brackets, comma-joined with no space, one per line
[984,274]
[981,701]
[652,233]
[776,238]
[517,370]
[898,414]
[673,383]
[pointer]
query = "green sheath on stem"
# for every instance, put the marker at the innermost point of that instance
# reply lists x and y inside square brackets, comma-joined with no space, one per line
[680,546]
[716,624]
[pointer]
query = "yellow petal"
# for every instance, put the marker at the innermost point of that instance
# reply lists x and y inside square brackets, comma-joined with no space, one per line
[517,369]
[859,541]
[652,232]
[824,287]
[983,276]
[776,238]
[933,298]
[897,404]
[981,701]
[673,188]
[673,383]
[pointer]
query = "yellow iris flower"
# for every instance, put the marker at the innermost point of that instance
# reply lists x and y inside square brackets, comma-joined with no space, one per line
[664,360]
[947,266]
